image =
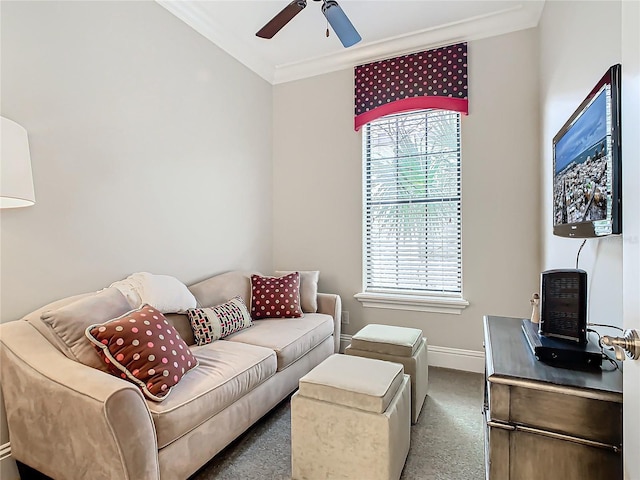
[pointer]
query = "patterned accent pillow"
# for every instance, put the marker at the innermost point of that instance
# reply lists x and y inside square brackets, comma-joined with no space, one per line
[275,297]
[308,288]
[213,323]
[142,347]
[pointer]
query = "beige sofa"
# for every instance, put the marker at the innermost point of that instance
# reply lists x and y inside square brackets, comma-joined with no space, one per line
[71,421]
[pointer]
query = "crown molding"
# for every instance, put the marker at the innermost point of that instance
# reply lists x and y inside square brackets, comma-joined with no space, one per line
[518,17]
[194,15]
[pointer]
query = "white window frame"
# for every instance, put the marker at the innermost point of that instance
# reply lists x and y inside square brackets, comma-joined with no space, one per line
[399,299]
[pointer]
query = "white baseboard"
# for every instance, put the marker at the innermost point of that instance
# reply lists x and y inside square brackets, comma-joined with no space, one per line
[446,357]
[8,468]
[456,358]
[345,341]
[5,451]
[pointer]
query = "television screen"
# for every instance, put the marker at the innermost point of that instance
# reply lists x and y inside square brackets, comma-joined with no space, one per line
[586,165]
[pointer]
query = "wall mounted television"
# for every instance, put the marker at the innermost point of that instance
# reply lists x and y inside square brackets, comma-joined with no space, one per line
[587,181]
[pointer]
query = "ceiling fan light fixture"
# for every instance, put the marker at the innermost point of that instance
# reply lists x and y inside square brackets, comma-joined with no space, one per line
[340,23]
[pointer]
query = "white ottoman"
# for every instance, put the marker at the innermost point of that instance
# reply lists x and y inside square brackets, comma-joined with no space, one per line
[350,419]
[401,345]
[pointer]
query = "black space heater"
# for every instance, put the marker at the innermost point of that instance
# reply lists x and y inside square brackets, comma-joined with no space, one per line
[563,312]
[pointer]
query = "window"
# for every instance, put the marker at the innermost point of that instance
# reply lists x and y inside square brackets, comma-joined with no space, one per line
[412,221]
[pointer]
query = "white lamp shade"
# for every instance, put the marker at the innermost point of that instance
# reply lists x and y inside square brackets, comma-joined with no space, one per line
[16,181]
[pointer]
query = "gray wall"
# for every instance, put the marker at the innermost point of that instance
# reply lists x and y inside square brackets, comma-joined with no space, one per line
[318,190]
[572,60]
[150,148]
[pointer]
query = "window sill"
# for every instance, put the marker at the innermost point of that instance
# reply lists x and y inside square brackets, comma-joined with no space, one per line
[415,303]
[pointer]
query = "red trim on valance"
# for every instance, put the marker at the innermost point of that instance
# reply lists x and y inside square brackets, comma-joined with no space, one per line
[432,79]
[415,103]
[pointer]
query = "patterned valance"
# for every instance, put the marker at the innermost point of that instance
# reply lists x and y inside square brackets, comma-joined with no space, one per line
[431,79]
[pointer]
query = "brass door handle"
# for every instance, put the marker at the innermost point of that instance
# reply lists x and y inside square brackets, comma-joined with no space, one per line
[629,343]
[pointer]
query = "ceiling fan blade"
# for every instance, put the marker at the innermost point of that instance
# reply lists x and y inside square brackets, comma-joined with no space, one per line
[281,19]
[340,23]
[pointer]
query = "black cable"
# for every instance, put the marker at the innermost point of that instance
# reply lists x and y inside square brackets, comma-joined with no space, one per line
[612,362]
[602,352]
[603,325]
[579,250]
[599,338]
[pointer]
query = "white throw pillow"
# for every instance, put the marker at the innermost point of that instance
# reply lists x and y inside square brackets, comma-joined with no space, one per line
[163,292]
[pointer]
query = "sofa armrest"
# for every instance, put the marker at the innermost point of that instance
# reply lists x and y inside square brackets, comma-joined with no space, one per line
[331,304]
[71,421]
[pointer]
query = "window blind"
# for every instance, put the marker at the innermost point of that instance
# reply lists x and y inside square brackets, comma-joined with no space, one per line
[412,204]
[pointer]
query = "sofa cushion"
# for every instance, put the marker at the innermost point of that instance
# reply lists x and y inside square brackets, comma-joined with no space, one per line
[290,338]
[275,297]
[143,348]
[65,326]
[308,289]
[180,321]
[213,323]
[220,288]
[227,371]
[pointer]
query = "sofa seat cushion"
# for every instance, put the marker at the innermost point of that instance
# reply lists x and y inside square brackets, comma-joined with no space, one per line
[290,338]
[227,371]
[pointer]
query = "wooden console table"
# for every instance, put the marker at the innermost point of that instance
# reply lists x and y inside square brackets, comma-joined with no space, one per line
[544,422]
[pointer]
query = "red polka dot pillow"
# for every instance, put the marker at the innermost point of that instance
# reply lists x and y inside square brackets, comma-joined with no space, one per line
[275,297]
[142,347]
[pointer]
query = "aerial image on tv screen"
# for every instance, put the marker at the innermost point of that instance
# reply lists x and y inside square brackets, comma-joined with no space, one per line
[582,180]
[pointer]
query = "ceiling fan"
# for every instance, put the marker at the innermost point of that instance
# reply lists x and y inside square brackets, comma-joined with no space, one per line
[336,17]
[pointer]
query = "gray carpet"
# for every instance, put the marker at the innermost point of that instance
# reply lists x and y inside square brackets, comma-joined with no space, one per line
[446,443]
